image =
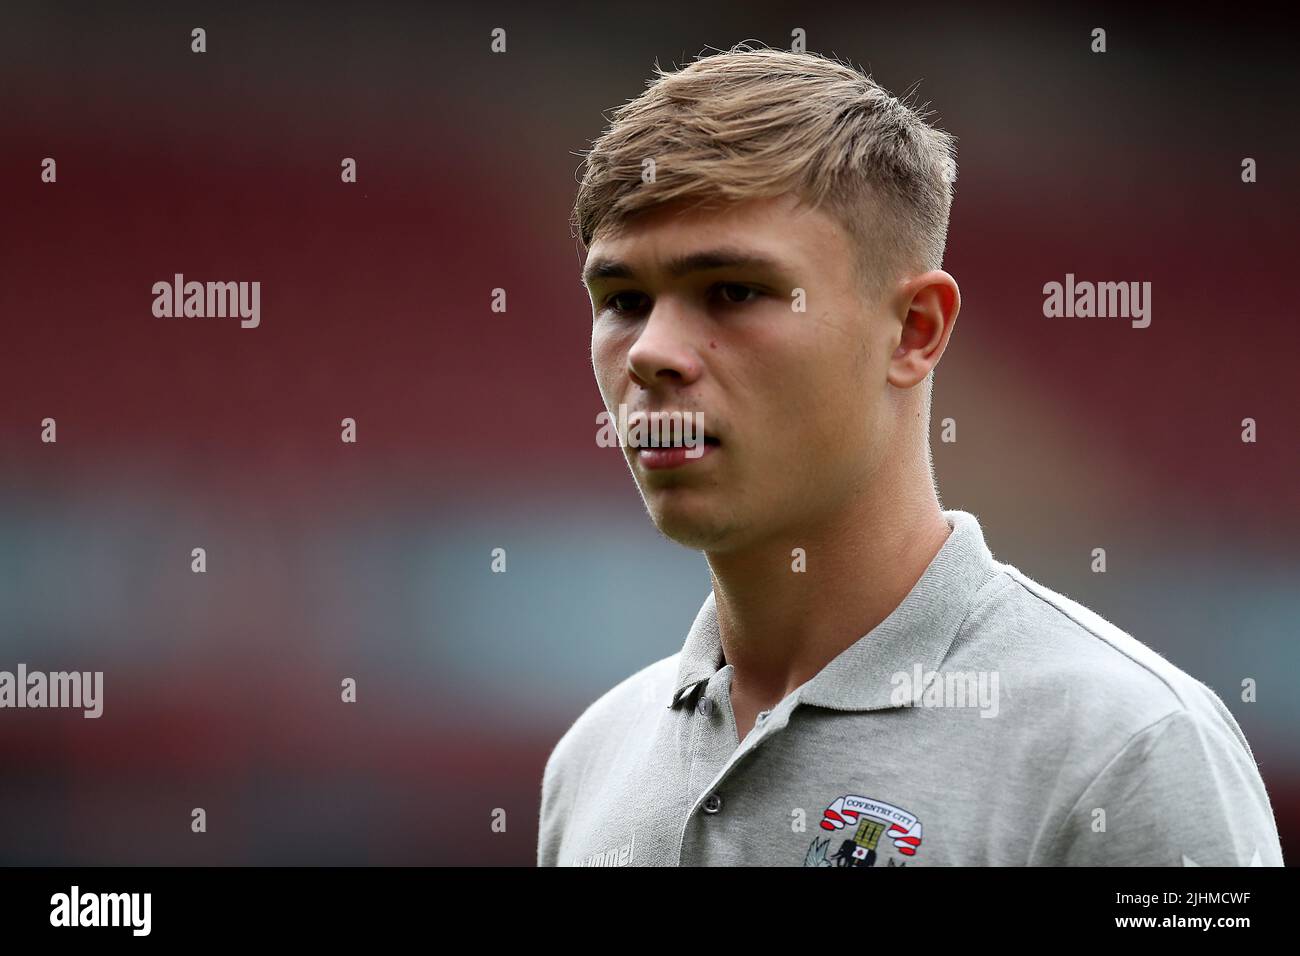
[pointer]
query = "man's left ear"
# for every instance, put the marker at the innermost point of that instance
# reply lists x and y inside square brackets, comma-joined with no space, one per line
[927,306]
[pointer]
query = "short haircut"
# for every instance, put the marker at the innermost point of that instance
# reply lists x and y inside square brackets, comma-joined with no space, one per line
[753,122]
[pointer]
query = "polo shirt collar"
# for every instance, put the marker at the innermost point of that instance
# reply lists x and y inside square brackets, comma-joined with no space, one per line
[919,631]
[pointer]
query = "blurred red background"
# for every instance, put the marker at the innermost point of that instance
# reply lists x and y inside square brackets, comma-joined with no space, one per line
[371,561]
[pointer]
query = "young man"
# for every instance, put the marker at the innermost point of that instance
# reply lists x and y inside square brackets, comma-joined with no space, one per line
[865,684]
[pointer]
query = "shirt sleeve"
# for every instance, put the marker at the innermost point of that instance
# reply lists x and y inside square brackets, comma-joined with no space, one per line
[1184,791]
[550,824]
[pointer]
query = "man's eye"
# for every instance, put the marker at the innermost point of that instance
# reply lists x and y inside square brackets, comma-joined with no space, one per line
[612,303]
[630,303]
[733,293]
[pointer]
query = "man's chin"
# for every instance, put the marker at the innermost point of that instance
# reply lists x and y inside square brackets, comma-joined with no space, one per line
[689,527]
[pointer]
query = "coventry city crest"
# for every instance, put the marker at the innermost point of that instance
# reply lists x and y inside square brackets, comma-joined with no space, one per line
[852,830]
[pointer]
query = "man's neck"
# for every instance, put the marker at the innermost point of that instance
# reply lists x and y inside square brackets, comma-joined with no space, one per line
[779,626]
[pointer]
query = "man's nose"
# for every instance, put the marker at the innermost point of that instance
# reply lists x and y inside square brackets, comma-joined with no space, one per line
[664,351]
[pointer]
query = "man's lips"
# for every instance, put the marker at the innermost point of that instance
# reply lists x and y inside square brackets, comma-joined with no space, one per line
[661,449]
[675,456]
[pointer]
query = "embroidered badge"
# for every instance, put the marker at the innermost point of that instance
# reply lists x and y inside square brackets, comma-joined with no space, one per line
[862,821]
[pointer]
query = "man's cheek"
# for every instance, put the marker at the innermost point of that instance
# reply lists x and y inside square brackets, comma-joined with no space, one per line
[606,367]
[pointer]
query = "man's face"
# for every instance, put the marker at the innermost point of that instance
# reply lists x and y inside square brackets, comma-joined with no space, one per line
[795,399]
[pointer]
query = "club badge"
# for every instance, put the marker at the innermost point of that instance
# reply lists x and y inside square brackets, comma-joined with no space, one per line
[852,830]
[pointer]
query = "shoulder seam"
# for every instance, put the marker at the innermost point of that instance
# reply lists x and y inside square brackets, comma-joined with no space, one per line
[1018,578]
[991,584]
[993,590]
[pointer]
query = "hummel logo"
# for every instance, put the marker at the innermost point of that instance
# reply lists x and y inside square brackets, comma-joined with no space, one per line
[618,856]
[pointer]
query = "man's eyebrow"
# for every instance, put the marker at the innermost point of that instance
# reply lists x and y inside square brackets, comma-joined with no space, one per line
[605,267]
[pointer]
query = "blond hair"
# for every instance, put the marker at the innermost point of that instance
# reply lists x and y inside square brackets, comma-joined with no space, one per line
[754,122]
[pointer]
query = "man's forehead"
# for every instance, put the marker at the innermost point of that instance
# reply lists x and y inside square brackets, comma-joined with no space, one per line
[691,215]
[766,232]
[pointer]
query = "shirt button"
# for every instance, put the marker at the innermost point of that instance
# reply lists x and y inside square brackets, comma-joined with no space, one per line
[705,706]
[712,803]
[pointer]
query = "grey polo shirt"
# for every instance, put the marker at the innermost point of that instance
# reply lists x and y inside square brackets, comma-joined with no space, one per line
[988,720]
